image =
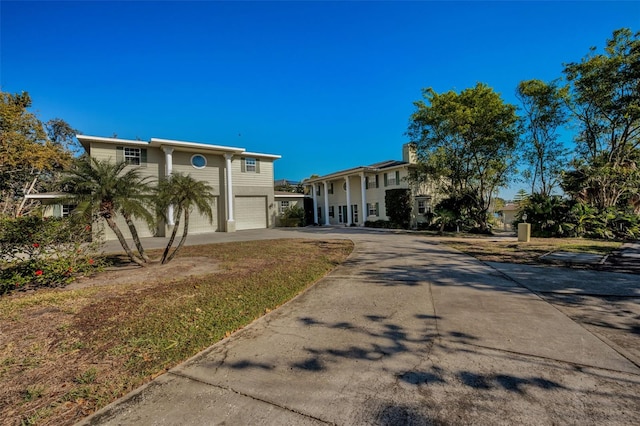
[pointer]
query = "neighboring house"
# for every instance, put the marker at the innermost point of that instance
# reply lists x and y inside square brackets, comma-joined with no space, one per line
[509,211]
[242,181]
[50,202]
[285,200]
[356,195]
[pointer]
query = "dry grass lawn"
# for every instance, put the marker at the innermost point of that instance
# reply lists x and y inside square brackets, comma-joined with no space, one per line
[510,251]
[66,353]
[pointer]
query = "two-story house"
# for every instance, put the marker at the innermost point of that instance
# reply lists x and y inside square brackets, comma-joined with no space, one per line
[242,181]
[357,195]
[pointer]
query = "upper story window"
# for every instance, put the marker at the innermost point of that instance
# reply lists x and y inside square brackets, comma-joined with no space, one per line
[330,188]
[392,178]
[198,161]
[131,155]
[372,182]
[250,165]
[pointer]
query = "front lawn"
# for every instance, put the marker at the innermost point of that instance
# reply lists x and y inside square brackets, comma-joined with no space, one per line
[66,353]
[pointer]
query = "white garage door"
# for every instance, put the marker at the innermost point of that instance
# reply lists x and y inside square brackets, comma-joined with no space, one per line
[251,212]
[199,223]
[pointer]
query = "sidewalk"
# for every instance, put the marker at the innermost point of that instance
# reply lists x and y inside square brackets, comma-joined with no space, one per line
[407,331]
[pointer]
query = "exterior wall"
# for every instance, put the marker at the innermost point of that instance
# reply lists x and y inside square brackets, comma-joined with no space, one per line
[293,200]
[245,183]
[255,184]
[373,195]
[154,168]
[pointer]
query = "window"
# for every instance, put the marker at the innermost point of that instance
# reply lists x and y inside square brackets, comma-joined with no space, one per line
[372,182]
[424,206]
[318,189]
[330,189]
[332,212]
[354,213]
[198,161]
[67,209]
[372,209]
[342,214]
[250,165]
[391,179]
[284,205]
[131,156]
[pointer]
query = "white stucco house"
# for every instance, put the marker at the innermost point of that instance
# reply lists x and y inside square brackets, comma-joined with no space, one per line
[356,195]
[242,181]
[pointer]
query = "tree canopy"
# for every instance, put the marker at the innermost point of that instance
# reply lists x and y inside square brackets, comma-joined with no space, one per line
[604,98]
[30,159]
[544,115]
[467,142]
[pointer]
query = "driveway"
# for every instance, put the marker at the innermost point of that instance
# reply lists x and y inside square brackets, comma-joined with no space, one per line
[407,331]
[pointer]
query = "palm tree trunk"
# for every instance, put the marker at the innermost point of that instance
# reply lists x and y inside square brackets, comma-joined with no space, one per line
[173,236]
[135,259]
[184,235]
[136,238]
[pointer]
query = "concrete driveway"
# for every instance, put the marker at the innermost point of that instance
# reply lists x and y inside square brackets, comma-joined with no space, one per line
[407,331]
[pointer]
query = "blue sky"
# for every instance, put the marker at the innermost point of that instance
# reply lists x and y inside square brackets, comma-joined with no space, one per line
[327,85]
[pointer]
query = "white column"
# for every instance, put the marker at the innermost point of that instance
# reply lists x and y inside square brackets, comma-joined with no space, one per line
[168,161]
[363,187]
[349,218]
[231,223]
[326,203]
[315,203]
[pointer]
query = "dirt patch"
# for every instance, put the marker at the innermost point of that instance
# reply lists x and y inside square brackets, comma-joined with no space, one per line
[128,273]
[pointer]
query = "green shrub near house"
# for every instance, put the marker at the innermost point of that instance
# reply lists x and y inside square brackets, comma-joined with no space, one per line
[292,217]
[45,252]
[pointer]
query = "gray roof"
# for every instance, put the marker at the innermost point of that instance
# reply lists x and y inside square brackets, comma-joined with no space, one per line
[373,168]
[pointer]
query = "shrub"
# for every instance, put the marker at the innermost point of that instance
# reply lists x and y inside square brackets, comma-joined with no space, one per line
[384,224]
[36,252]
[398,202]
[292,216]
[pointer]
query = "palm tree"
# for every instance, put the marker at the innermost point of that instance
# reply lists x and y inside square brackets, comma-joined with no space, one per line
[184,193]
[111,189]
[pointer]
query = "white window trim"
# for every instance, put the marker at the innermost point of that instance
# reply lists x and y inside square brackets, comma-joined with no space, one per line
[198,167]
[132,156]
[249,164]
[283,206]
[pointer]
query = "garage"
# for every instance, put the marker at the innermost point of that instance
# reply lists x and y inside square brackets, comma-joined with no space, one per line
[199,223]
[251,213]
